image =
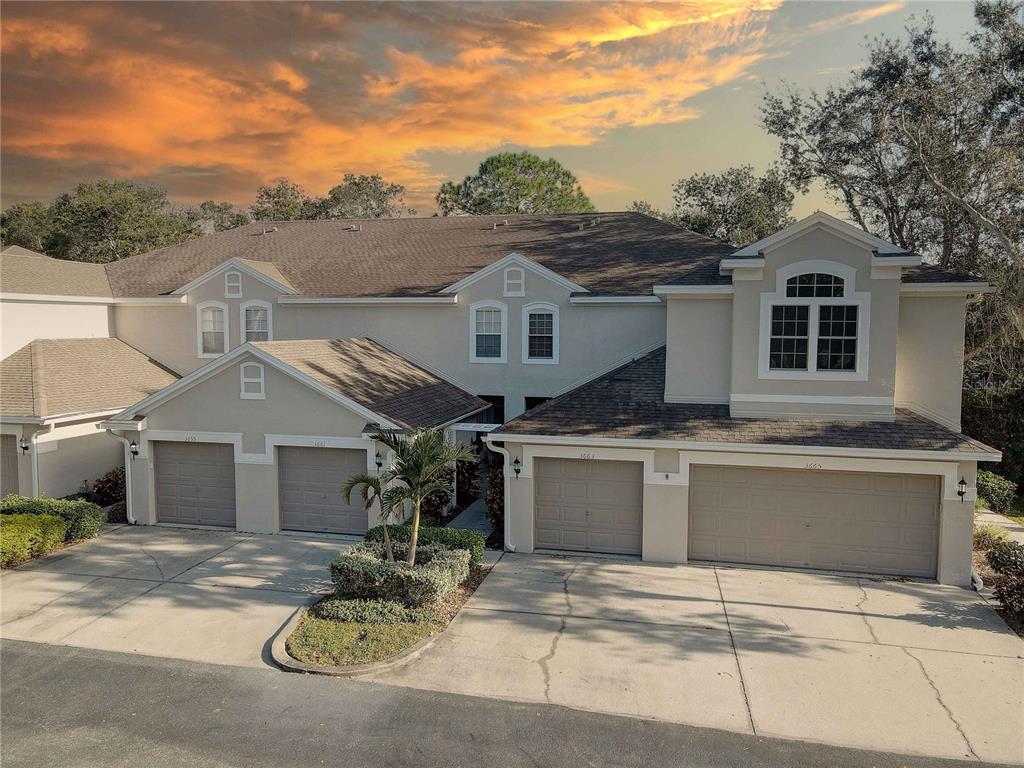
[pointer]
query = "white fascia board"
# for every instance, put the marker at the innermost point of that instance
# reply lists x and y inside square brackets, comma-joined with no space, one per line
[798,450]
[614,300]
[462,417]
[907,260]
[64,417]
[517,260]
[369,300]
[56,299]
[748,263]
[469,426]
[693,290]
[946,289]
[234,264]
[820,218]
[152,301]
[131,425]
[20,419]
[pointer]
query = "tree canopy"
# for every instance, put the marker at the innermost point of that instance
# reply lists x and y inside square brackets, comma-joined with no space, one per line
[515,182]
[362,197]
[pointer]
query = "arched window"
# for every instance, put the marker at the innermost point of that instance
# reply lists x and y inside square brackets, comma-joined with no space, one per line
[257,321]
[212,328]
[488,332]
[814,285]
[253,386]
[515,282]
[540,333]
[232,285]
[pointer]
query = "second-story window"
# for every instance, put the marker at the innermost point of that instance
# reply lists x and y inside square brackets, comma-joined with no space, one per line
[213,329]
[232,285]
[515,282]
[540,333]
[487,332]
[256,321]
[789,338]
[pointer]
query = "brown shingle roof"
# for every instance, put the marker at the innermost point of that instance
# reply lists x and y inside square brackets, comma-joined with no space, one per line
[628,403]
[378,379]
[54,377]
[623,254]
[706,272]
[20,273]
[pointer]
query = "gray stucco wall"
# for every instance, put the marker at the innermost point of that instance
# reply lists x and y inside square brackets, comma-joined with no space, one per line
[698,350]
[930,358]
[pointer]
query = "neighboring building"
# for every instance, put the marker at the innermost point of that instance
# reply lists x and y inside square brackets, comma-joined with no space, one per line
[794,402]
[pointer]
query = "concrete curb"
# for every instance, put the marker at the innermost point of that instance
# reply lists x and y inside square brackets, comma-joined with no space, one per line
[280,654]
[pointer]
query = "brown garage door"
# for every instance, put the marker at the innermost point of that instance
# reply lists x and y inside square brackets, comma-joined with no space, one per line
[310,485]
[593,506]
[195,483]
[8,465]
[846,521]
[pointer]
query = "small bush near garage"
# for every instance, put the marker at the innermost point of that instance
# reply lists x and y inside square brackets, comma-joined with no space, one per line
[109,489]
[83,518]
[494,498]
[23,537]
[117,512]
[362,572]
[987,534]
[1006,558]
[453,538]
[997,491]
[336,608]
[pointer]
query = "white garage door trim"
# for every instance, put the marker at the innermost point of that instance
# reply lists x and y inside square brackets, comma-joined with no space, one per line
[588,505]
[309,483]
[848,521]
[194,483]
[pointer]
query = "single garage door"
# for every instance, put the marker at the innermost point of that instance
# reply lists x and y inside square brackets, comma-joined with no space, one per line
[592,506]
[310,485]
[8,465]
[844,521]
[195,483]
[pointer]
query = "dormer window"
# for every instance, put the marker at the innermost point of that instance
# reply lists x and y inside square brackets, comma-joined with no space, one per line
[232,285]
[515,282]
[814,326]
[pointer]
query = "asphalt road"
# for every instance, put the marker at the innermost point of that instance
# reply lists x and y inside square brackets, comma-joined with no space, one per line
[63,706]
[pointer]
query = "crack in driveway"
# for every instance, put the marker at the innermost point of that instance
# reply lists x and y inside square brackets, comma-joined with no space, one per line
[938,698]
[860,609]
[543,661]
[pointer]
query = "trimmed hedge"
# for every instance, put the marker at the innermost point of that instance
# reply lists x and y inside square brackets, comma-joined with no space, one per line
[117,512]
[1007,558]
[362,572]
[83,518]
[999,492]
[23,537]
[365,611]
[452,538]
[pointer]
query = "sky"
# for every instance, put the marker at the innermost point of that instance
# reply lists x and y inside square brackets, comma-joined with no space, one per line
[210,100]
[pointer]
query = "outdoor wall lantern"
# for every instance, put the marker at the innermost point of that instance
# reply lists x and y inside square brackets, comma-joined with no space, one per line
[961,489]
[133,449]
[23,444]
[379,460]
[517,467]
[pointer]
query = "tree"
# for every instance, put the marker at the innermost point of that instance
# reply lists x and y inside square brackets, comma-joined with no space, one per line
[370,489]
[735,206]
[112,219]
[362,197]
[282,201]
[515,182]
[648,209]
[217,217]
[27,225]
[416,469]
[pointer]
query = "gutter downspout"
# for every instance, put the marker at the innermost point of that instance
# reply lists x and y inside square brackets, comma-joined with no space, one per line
[35,457]
[128,501]
[509,545]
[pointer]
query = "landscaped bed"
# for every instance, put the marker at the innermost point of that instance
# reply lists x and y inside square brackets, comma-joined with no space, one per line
[31,527]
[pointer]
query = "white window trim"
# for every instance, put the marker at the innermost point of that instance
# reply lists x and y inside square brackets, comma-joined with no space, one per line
[850,298]
[270,317]
[243,380]
[503,308]
[229,291]
[199,328]
[553,310]
[510,278]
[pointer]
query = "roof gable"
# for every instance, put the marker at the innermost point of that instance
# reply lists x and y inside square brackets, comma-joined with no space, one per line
[264,272]
[515,260]
[820,220]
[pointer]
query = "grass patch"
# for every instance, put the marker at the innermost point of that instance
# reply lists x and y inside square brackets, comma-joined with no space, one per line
[344,643]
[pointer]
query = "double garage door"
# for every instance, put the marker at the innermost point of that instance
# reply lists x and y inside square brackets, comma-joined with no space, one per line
[195,485]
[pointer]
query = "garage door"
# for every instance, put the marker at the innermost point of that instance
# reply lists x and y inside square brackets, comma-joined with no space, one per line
[310,484]
[592,506]
[846,521]
[195,483]
[8,465]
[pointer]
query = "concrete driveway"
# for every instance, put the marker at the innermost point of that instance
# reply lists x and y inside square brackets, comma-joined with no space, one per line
[203,595]
[905,667]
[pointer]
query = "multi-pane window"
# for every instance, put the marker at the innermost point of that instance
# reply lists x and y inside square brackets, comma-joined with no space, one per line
[837,338]
[789,337]
[253,384]
[814,285]
[541,342]
[232,285]
[487,330]
[214,338]
[257,324]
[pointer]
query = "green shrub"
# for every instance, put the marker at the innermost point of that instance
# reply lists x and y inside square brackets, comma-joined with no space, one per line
[467,482]
[453,538]
[999,492]
[1006,558]
[434,505]
[495,495]
[23,537]
[362,572]
[81,496]
[82,517]
[1009,590]
[987,534]
[109,489]
[117,512]
[364,611]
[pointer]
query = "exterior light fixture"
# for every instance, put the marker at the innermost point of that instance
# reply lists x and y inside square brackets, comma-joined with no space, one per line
[961,489]
[133,448]
[517,467]
[23,444]
[379,460]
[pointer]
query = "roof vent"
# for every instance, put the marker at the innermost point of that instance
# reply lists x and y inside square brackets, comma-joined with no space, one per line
[268,231]
[595,221]
[494,225]
[354,228]
[582,226]
[505,222]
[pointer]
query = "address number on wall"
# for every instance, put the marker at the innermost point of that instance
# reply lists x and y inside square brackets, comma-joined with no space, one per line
[812,465]
[191,438]
[319,443]
[586,455]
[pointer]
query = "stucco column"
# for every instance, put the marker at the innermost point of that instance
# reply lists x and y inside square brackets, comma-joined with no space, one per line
[519,492]
[257,504]
[665,522]
[956,530]
[143,491]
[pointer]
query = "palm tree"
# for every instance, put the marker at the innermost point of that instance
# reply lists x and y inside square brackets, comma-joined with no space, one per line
[369,487]
[416,470]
